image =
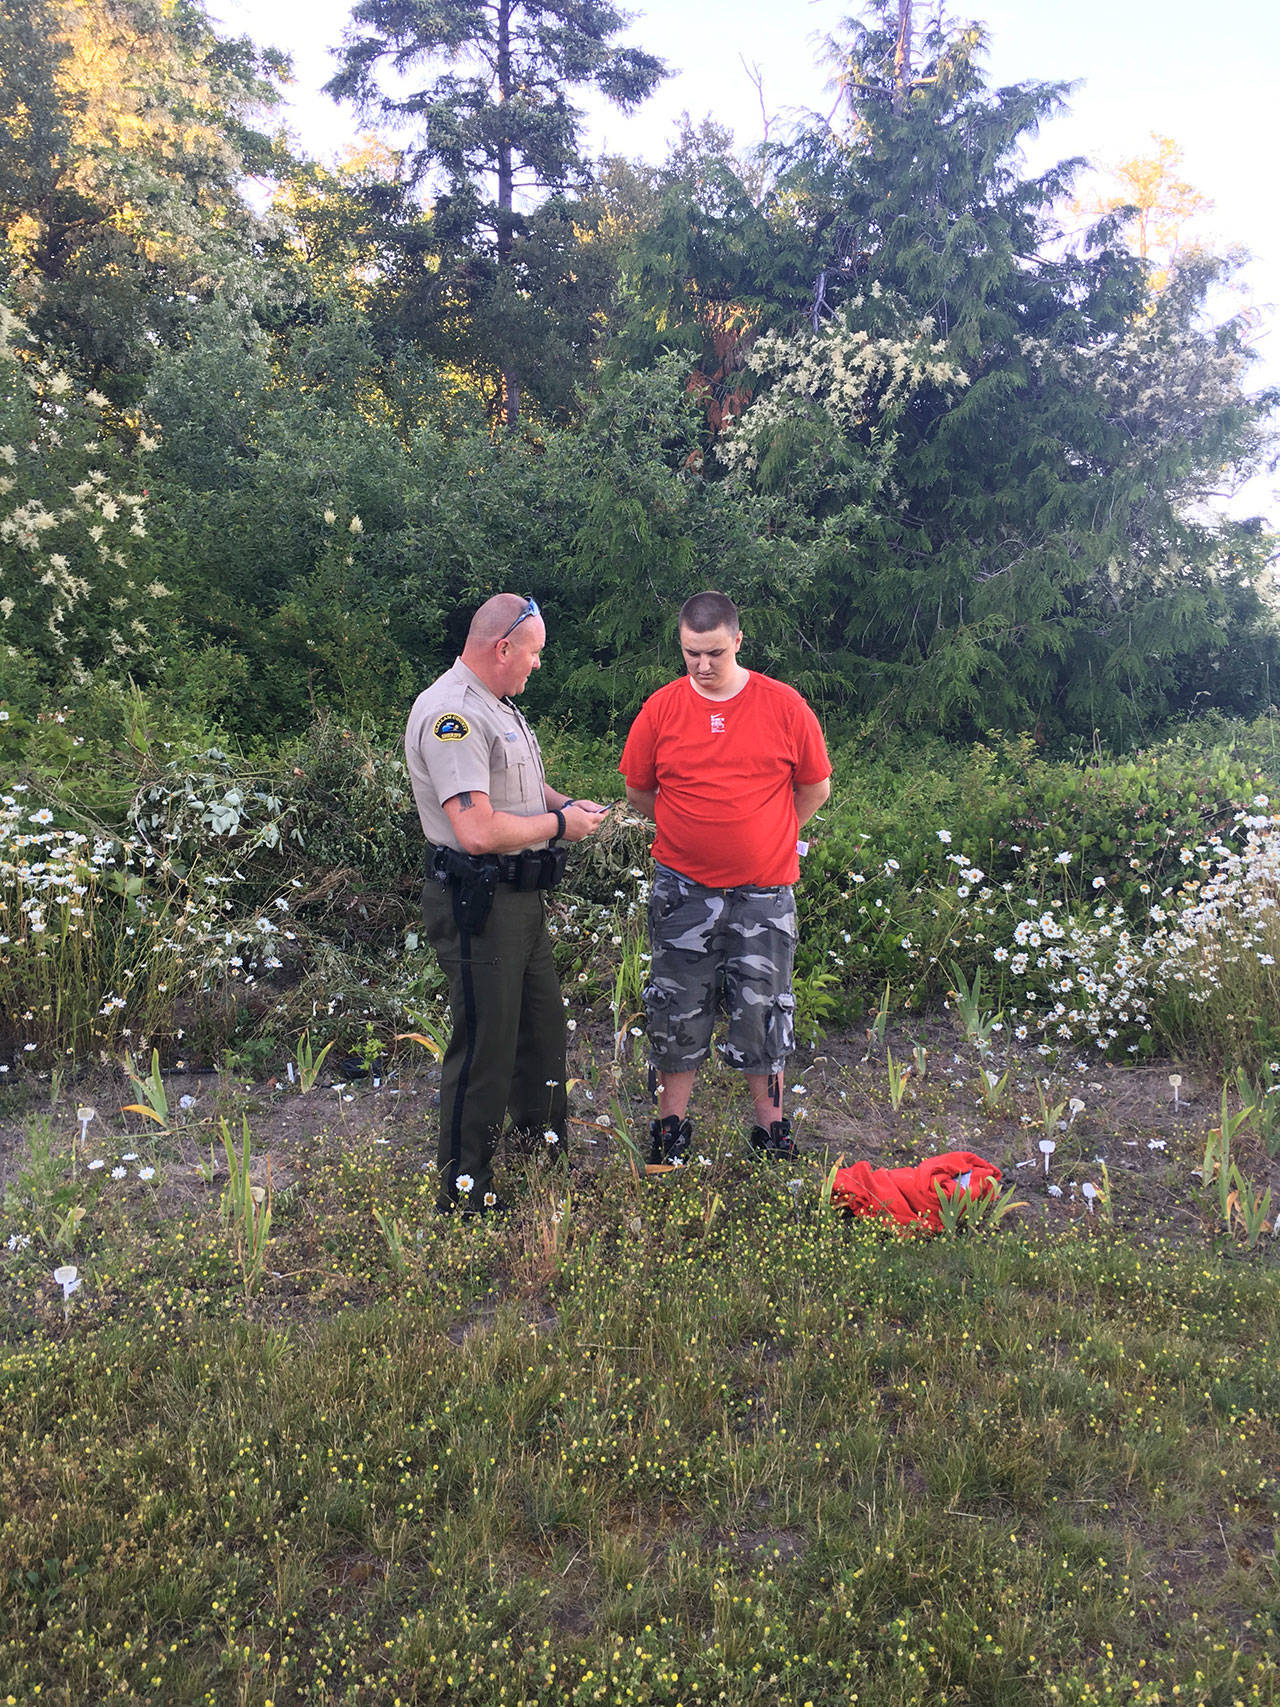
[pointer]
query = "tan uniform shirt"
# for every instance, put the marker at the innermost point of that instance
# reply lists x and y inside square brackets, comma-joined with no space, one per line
[463,739]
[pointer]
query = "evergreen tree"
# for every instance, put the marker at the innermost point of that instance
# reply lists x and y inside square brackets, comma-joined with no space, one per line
[493,127]
[998,453]
[704,264]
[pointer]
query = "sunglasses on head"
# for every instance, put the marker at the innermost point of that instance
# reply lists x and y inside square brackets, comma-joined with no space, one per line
[530,609]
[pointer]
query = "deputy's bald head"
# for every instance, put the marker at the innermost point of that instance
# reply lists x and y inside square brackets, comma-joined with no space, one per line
[495,617]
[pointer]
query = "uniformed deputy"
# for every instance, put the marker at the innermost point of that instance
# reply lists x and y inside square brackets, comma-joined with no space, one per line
[493,826]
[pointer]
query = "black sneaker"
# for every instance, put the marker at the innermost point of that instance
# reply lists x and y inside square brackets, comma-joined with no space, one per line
[670,1139]
[777,1144]
[499,1209]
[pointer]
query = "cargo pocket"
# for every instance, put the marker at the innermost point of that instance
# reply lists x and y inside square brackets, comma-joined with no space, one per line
[780,1030]
[657,1004]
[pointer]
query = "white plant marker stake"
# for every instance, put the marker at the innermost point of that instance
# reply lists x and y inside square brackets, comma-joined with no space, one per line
[68,1279]
[1047,1147]
[1175,1079]
[1090,1191]
[84,1114]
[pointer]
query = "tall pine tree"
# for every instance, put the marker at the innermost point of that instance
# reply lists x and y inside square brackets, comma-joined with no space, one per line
[999,454]
[491,128]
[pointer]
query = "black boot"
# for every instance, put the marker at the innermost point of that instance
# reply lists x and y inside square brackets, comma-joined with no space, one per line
[777,1144]
[669,1140]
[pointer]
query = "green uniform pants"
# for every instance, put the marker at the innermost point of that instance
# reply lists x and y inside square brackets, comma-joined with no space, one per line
[507,1051]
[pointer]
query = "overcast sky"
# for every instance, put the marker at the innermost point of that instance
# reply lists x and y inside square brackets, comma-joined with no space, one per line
[1203,75]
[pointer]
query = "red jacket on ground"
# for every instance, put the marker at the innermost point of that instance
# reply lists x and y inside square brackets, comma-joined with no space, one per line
[908,1195]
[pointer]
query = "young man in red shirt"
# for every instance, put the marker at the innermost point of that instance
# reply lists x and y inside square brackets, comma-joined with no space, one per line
[729,764]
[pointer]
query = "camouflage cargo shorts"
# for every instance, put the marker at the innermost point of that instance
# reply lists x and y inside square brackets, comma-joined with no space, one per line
[730,948]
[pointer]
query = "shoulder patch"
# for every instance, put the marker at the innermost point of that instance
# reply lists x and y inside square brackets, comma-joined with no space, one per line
[451,726]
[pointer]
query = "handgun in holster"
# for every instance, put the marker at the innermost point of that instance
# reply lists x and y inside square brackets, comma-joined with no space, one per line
[471,880]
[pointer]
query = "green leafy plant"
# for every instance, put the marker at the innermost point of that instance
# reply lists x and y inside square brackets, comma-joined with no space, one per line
[817,1001]
[898,1076]
[880,1020]
[393,1235]
[424,1039]
[309,1063]
[962,1209]
[978,1022]
[246,1208]
[827,1189]
[153,1098]
[620,1130]
[42,1191]
[370,1049]
[992,1088]
[993,1206]
[1251,1206]
[67,1228]
[1217,1168]
[1262,1098]
[249,1057]
[1050,1113]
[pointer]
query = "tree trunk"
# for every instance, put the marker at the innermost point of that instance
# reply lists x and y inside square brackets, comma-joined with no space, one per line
[510,397]
[510,379]
[902,57]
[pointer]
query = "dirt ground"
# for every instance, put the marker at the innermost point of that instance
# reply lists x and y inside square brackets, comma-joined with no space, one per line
[1129,1118]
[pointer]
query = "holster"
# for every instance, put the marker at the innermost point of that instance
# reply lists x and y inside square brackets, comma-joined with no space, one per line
[471,881]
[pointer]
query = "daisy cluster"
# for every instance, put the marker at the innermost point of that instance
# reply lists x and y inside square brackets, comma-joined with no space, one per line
[1096,964]
[99,936]
[121,1169]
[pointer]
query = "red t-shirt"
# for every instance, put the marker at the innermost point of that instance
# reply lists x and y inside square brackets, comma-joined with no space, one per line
[725,771]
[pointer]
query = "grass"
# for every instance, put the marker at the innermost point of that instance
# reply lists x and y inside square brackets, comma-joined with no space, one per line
[629,1447]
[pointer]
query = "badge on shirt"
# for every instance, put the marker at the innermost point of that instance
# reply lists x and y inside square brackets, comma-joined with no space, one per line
[452,726]
[717,722]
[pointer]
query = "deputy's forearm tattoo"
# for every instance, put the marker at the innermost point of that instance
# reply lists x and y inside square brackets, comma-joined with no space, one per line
[464,803]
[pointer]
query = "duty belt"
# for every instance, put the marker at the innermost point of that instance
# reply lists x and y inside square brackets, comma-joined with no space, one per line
[532,868]
[470,879]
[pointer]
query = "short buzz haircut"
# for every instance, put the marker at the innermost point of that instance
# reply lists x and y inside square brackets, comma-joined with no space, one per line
[706,611]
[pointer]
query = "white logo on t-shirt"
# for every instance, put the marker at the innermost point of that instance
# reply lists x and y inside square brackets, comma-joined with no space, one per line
[717,722]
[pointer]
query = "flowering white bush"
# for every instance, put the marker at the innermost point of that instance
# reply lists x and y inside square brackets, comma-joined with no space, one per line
[77,596]
[1215,950]
[853,377]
